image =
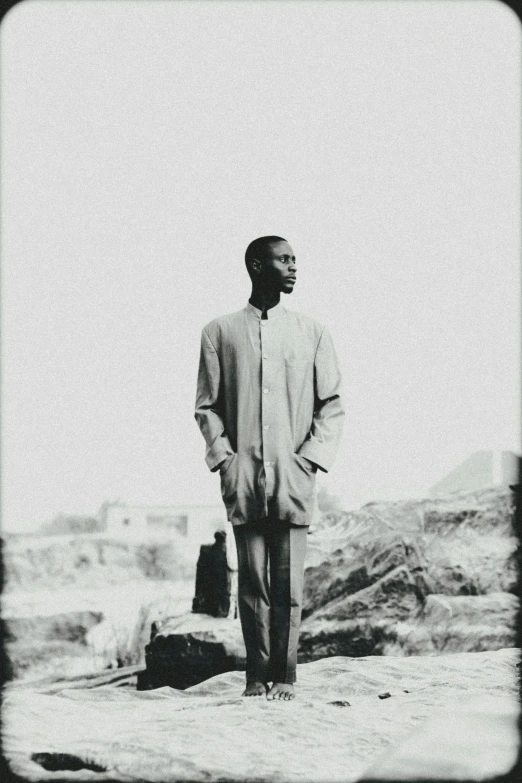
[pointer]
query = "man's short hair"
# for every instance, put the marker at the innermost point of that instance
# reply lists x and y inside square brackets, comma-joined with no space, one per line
[258,248]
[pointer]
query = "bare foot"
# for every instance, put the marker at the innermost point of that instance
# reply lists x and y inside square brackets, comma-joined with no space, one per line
[255,688]
[281,690]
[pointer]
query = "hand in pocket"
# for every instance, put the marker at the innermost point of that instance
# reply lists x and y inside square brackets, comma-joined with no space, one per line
[311,466]
[224,466]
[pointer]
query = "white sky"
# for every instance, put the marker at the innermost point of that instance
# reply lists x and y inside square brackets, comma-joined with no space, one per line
[145,144]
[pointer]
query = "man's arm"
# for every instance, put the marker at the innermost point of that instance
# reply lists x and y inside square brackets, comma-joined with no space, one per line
[207,412]
[322,442]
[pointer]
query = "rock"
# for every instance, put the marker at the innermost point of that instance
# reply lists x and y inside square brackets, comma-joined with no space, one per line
[329,581]
[341,576]
[453,624]
[54,762]
[34,643]
[455,580]
[209,733]
[353,624]
[484,510]
[437,609]
[389,569]
[470,739]
[393,595]
[482,622]
[495,608]
[352,638]
[121,637]
[69,626]
[185,651]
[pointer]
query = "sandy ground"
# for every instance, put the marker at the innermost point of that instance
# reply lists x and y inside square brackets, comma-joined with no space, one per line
[352,717]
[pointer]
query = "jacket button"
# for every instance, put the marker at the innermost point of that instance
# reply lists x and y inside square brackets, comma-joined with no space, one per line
[266,426]
[265,391]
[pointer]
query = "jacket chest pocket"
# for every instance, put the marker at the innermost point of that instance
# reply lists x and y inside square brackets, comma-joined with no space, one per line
[298,361]
[300,374]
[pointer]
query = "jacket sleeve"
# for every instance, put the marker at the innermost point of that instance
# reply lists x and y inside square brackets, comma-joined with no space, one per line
[207,413]
[323,440]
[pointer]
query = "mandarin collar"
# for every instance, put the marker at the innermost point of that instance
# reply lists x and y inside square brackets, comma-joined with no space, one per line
[272,312]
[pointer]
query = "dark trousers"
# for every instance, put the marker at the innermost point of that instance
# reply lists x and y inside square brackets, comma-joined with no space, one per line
[270,557]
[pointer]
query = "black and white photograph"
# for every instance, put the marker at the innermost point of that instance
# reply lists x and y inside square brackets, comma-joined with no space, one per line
[260,391]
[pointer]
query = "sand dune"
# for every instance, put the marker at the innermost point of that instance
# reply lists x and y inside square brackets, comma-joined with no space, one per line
[352,717]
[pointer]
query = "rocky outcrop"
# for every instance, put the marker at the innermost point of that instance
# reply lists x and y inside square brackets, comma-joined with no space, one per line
[440,578]
[185,651]
[342,575]
[461,623]
[353,624]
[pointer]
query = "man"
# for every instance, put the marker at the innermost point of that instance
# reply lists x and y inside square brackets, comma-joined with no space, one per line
[269,406]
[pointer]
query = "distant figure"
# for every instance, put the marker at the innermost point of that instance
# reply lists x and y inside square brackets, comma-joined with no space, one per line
[213,579]
[268,404]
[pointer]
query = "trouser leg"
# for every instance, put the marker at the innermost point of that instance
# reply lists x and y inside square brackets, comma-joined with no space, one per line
[287,550]
[253,598]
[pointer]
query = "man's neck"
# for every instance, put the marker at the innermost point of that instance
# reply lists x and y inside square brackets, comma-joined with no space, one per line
[264,301]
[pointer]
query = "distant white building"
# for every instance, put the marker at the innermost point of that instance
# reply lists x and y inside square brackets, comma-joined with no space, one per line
[481,470]
[195,524]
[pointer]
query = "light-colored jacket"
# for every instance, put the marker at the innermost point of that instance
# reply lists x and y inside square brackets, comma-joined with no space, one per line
[268,395]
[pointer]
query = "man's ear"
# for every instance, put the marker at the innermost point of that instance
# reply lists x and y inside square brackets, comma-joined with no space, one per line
[256,265]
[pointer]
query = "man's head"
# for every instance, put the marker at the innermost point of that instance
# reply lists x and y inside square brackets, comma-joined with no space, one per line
[270,262]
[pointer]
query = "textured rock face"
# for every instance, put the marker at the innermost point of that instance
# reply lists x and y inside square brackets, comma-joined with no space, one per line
[413,578]
[188,650]
[340,576]
[359,601]
[394,594]
[352,625]
[481,622]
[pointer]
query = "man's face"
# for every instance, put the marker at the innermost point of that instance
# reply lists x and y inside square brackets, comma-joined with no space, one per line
[278,267]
